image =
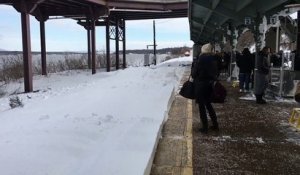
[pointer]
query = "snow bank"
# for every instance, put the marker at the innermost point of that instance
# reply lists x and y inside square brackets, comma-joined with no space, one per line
[79,124]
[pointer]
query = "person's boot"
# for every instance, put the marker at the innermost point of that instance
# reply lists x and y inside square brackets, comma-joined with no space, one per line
[215,126]
[260,100]
[204,122]
[203,130]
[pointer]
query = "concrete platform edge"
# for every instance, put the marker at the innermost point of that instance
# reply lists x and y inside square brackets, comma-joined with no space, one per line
[158,137]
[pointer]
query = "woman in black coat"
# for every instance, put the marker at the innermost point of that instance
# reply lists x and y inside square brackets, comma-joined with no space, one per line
[204,73]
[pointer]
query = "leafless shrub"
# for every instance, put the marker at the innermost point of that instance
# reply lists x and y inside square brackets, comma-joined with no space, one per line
[15,101]
[73,63]
[68,63]
[37,69]
[101,60]
[2,89]
[12,68]
[168,58]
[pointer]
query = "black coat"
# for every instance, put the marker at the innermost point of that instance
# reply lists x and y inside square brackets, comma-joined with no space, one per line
[262,64]
[245,63]
[204,73]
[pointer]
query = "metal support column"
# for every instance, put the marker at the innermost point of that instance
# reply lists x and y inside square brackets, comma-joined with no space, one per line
[298,33]
[154,42]
[258,43]
[117,45]
[27,56]
[43,47]
[93,31]
[231,28]
[124,45]
[277,39]
[107,46]
[297,56]
[89,47]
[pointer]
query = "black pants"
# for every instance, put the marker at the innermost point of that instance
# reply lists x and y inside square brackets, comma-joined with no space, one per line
[203,106]
[203,91]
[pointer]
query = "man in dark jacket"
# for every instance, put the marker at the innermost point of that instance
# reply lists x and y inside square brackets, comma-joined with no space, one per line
[204,73]
[244,62]
[261,76]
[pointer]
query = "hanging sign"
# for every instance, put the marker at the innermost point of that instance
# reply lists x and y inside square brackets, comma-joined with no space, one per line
[273,20]
[247,20]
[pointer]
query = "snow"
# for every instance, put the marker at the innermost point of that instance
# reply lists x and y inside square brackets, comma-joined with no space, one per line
[78,123]
[260,140]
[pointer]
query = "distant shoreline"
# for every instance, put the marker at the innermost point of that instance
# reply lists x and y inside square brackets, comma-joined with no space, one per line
[175,50]
[37,53]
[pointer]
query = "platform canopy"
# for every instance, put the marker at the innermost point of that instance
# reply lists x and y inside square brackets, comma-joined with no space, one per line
[125,9]
[148,9]
[208,18]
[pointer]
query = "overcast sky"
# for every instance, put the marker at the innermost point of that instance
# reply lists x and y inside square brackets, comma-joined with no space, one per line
[66,35]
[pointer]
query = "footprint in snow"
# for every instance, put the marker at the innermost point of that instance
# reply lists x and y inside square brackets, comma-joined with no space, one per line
[44,117]
[108,118]
[94,114]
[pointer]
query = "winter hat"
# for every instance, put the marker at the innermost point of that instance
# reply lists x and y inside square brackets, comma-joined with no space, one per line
[206,48]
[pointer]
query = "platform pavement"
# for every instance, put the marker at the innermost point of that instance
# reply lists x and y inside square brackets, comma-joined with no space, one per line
[174,151]
[253,139]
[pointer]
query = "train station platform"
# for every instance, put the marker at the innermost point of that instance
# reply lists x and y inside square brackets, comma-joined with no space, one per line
[253,139]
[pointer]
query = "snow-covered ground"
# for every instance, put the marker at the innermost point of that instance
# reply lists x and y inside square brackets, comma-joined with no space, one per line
[83,124]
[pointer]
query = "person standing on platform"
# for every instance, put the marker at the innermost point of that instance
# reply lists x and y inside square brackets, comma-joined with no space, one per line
[262,74]
[204,73]
[244,62]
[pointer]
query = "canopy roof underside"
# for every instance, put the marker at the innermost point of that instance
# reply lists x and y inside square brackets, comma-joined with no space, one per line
[125,9]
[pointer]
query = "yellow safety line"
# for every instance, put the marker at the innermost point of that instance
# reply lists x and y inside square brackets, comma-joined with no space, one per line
[189,138]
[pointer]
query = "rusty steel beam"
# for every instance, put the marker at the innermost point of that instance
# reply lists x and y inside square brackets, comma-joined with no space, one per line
[93,31]
[124,45]
[79,3]
[148,15]
[98,2]
[95,2]
[89,48]
[97,23]
[177,6]
[35,5]
[107,21]
[147,5]
[64,4]
[27,56]
[6,1]
[152,17]
[117,44]
[68,12]
[43,47]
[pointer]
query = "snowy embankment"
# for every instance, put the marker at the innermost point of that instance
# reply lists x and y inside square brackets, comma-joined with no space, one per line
[79,124]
